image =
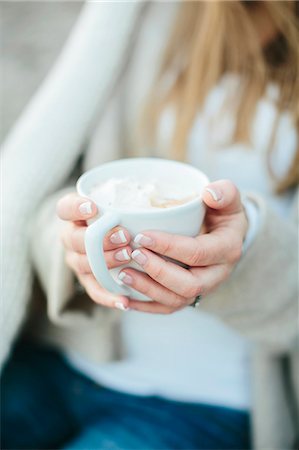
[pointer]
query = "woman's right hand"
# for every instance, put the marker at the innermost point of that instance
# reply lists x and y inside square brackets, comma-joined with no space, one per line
[75,211]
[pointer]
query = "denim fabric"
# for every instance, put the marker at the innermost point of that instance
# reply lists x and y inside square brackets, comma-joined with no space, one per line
[45,404]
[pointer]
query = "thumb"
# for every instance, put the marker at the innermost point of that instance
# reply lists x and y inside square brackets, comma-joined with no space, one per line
[222,195]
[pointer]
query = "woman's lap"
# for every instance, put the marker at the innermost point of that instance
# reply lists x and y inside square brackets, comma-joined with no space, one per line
[46,404]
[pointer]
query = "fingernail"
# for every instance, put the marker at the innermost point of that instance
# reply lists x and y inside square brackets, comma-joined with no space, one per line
[217,195]
[122,255]
[118,238]
[143,240]
[139,257]
[125,278]
[85,208]
[121,306]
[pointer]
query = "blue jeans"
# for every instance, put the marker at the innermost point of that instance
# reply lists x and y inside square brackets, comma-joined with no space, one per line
[45,404]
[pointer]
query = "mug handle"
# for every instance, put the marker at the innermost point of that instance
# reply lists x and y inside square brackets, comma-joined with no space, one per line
[94,237]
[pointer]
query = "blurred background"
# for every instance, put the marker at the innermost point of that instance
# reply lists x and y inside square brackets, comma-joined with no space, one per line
[32,34]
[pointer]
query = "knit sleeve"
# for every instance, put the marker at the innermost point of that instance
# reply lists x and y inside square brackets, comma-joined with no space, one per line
[45,143]
[260,299]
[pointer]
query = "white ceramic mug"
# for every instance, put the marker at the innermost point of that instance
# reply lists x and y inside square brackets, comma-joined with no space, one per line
[185,219]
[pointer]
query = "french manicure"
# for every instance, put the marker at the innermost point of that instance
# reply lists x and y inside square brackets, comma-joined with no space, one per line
[85,208]
[217,195]
[118,238]
[143,240]
[121,306]
[122,255]
[125,278]
[139,257]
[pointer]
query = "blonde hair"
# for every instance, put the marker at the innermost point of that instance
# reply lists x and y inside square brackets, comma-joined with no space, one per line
[211,38]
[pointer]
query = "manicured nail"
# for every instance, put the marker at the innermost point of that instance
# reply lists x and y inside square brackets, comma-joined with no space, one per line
[118,238]
[139,257]
[125,278]
[122,255]
[143,240]
[85,208]
[217,195]
[121,306]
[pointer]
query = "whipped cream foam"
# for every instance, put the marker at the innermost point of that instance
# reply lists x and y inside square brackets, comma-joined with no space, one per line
[129,193]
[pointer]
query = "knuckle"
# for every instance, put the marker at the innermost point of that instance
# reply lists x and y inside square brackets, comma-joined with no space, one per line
[198,255]
[192,290]
[158,272]
[143,287]
[165,246]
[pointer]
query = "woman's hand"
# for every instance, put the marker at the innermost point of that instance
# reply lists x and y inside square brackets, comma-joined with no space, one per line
[75,210]
[210,257]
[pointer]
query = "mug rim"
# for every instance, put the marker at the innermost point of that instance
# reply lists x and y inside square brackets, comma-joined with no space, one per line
[155,211]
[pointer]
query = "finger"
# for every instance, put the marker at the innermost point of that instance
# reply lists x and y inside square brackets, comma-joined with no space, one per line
[73,207]
[151,307]
[223,195]
[170,275]
[204,250]
[73,238]
[141,282]
[209,278]
[100,295]
[77,262]
[114,258]
[187,283]
[117,237]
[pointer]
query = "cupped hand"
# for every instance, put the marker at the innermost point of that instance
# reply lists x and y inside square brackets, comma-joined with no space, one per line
[75,211]
[209,257]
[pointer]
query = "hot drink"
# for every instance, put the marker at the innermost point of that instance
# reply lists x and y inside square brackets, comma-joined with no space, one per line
[130,193]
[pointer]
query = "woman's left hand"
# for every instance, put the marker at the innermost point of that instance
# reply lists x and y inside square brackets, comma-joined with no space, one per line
[210,257]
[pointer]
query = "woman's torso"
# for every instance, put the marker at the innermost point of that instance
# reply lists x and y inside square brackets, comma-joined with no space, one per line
[189,356]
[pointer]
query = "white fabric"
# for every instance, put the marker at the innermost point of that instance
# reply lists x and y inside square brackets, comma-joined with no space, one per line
[186,356]
[42,148]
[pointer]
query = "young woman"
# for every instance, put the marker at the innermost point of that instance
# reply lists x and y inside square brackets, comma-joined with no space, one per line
[215,84]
